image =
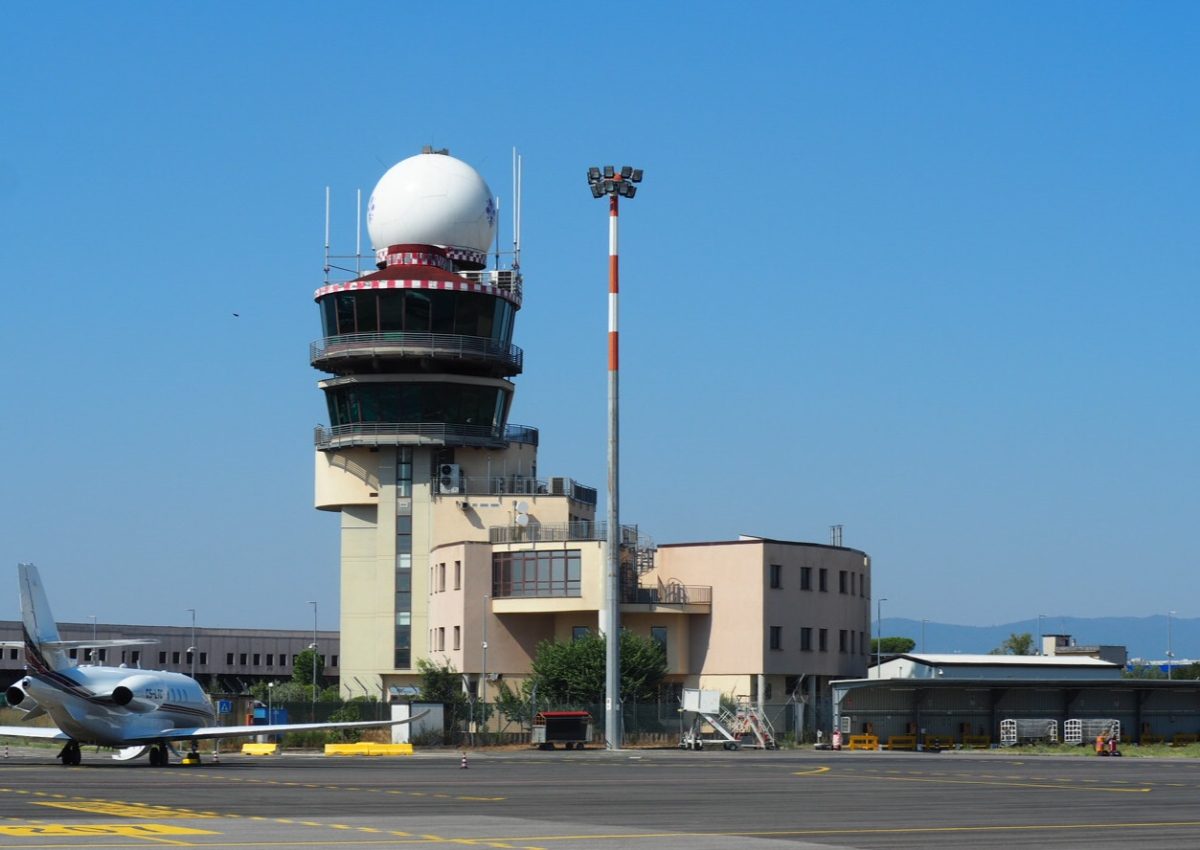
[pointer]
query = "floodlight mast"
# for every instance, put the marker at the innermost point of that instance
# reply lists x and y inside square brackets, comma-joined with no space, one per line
[614,184]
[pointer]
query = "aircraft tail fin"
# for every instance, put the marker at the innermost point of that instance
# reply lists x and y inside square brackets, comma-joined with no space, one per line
[41,632]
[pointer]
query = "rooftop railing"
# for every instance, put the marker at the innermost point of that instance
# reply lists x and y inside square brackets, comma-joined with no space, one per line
[558,531]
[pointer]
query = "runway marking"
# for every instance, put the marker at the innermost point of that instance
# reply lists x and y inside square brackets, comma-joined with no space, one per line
[1056,787]
[816,771]
[125,810]
[129,830]
[475,798]
[899,830]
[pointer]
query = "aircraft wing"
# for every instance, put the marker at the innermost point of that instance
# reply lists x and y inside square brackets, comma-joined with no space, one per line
[200,732]
[32,732]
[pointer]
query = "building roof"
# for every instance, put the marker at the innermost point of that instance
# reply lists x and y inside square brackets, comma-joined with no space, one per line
[962,660]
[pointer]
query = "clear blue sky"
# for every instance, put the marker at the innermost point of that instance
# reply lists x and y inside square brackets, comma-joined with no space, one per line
[926,270]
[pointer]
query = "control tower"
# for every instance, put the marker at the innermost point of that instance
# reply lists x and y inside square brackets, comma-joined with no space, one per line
[419,451]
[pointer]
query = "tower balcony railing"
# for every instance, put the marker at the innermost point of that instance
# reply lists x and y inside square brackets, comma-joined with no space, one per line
[410,344]
[327,437]
[558,532]
[516,484]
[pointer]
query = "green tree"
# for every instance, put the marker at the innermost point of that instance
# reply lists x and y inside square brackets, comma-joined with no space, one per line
[892,645]
[442,683]
[302,668]
[573,672]
[1016,644]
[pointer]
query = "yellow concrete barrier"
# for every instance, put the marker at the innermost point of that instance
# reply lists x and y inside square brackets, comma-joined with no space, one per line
[864,742]
[366,748]
[259,749]
[902,742]
[939,742]
[977,742]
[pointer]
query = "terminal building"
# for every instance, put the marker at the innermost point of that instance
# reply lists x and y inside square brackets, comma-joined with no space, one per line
[223,660]
[457,549]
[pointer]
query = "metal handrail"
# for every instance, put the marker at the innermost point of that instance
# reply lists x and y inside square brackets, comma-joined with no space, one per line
[386,433]
[557,531]
[406,343]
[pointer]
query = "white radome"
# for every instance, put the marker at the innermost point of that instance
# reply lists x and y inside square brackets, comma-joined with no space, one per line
[432,199]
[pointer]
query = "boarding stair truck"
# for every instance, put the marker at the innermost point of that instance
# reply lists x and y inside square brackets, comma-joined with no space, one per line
[745,726]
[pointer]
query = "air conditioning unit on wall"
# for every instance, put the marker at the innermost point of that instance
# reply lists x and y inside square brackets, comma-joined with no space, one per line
[449,479]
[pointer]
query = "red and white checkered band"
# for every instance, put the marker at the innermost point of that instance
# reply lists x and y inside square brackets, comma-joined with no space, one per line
[462,255]
[415,258]
[467,255]
[445,285]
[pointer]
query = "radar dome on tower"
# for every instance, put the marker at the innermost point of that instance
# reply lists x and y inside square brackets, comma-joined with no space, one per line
[432,199]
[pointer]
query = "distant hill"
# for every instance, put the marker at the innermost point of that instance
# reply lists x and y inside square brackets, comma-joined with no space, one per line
[1144,637]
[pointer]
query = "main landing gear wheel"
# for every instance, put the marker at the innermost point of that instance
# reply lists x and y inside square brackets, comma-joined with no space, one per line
[158,755]
[70,754]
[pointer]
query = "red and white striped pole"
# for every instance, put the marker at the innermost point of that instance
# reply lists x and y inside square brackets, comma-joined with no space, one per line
[612,628]
[613,183]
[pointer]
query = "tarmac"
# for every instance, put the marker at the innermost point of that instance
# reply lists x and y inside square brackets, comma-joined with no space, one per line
[592,799]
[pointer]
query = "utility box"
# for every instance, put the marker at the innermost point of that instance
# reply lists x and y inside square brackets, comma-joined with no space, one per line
[430,725]
[572,729]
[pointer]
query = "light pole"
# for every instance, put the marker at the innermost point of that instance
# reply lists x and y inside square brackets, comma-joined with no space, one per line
[609,181]
[1170,655]
[483,674]
[314,661]
[270,715]
[91,653]
[923,622]
[192,648]
[879,637]
[1040,639]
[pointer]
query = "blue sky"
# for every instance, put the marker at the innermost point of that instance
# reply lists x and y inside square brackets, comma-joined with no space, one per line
[925,270]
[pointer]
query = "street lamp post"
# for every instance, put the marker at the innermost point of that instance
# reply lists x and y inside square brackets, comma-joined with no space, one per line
[1170,654]
[923,622]
[483,673]
[879,637]
[192,648]
[314,661]
[615,184]
[1040,638]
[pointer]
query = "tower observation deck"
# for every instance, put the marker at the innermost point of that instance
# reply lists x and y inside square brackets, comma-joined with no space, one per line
[420,351]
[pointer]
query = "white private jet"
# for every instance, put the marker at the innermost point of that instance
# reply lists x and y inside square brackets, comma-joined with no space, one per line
[130,710]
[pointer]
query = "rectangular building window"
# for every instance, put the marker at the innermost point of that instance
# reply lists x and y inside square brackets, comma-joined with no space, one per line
[402,636]
[843,581]
[544,573]
[458,637]
[441,639]
[228,659]
[241,659]
[257,659]
[853,583]
[174,657]
[270,659]
[333,661]
[441,586]
[806,639]
[162,657]
[458,575]
[823,640]
[203,658]
[658,634]
[806,578]
[776,637]
[776,576]
[579,633]
[843,641]
[823,577]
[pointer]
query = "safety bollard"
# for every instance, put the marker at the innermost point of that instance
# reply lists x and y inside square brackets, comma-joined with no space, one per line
[464,761]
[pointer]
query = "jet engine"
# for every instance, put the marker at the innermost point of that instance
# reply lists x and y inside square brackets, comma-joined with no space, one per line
[19,697]
[140,693]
